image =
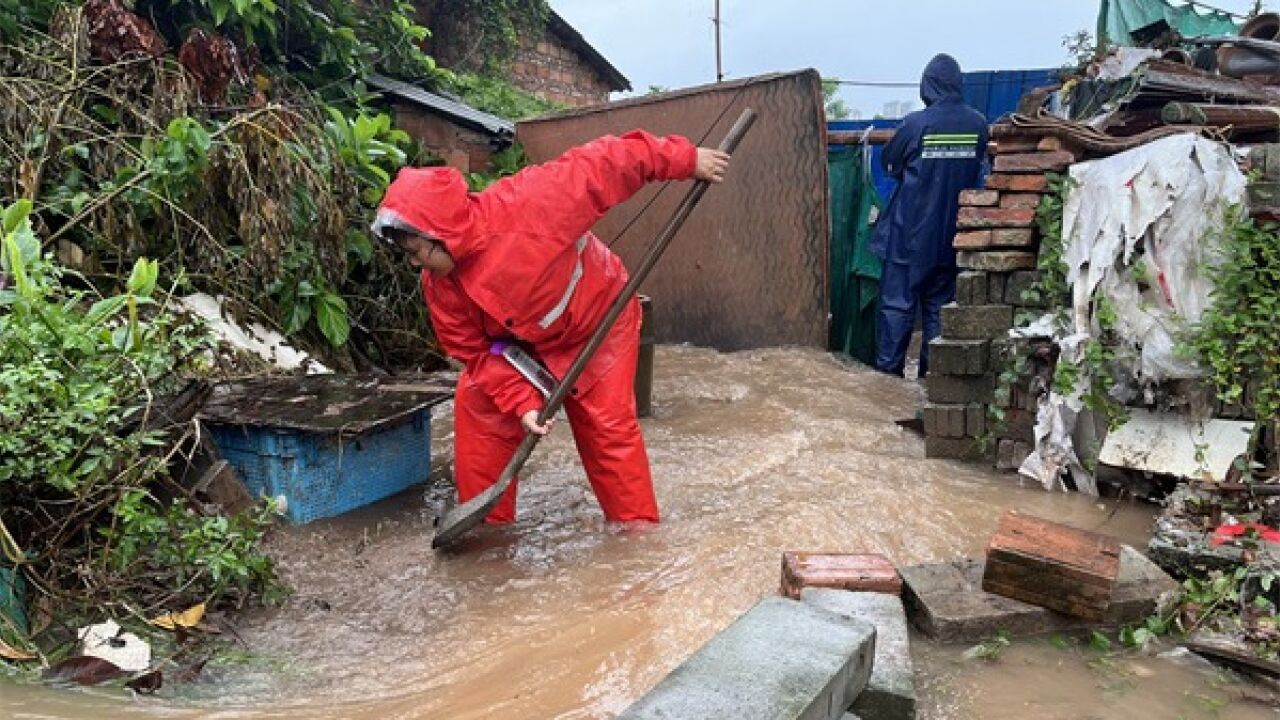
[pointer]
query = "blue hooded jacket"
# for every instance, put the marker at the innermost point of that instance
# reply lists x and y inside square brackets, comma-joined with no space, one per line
[936,153]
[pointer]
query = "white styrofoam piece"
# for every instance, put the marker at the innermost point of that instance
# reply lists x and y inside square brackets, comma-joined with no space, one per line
[1176,445]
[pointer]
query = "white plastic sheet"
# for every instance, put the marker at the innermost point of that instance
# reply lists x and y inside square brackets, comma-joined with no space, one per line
[1140,229]
[123,649]
[266,344]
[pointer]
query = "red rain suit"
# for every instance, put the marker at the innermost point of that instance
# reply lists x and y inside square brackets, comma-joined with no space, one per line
[528,268]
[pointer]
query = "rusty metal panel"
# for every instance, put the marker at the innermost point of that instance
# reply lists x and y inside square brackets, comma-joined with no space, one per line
[749,268]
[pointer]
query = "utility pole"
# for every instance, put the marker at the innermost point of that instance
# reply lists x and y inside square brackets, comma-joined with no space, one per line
[716,22]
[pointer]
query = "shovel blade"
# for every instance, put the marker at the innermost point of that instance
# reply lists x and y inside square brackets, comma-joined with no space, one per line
[461,518]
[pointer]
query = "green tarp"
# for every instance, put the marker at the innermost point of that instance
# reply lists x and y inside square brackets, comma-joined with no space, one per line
[1118,19]
[855,270]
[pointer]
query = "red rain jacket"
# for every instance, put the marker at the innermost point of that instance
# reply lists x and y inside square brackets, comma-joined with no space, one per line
[518,247]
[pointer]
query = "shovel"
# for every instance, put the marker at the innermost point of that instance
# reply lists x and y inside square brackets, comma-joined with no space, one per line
[461,518]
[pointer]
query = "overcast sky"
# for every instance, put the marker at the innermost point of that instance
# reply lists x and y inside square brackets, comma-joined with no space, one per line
[671,42]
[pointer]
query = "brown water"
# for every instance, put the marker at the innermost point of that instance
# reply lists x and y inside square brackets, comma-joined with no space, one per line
[561,616]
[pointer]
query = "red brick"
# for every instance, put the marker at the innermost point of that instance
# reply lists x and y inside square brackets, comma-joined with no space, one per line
[842,571]
[1050,144]
[1020,200]
[1052,565]
[979,198]
[1018,183]
[1013,238]
[973,240]
[1009,145]
[974,217]
[1038,162]
[996,261]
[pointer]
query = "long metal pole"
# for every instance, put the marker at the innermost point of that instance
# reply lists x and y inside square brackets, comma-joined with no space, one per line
[462,518]
[719,65]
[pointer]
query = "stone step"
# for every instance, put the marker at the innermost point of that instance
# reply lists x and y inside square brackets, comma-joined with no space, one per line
[782,660]
[946,601]
[891,691]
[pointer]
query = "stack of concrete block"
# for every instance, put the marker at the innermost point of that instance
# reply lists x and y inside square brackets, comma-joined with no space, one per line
[997,243]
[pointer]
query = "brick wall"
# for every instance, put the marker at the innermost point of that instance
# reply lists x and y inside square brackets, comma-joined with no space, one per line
[548,68]
[459,147]
[543,65]
[978,408]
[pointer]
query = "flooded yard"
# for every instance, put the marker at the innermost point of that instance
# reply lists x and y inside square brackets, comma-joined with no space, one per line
[560,616]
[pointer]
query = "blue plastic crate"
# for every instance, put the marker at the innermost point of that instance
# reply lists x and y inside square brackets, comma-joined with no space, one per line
[321,475]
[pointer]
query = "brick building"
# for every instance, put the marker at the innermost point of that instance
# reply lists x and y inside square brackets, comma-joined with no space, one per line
[556,64]
[462,136]
[564,68]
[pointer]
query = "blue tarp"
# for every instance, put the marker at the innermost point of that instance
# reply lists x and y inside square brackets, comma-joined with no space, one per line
[993,93]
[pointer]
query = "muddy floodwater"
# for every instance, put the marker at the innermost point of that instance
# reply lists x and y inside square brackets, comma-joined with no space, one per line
[561,616]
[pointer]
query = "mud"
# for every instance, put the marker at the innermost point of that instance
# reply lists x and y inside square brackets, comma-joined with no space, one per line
[563,616]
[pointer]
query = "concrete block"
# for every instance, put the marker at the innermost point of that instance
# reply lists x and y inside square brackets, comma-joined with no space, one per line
[944,420]
[1018,183]
[948,356]
[1038,162]
[975,420]
[995,288]
[1011,453]
[996,260]
[782,659]
[979,198]
[863,572]
[971,288]
[891,691]
[1019,425]
[1018,284]
[979,217]
[976,322]
[946,602]
[964,449]
[960,390]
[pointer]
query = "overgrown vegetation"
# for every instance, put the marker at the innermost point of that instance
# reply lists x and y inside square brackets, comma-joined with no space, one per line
[83,453]
[1238,338]
[1100,359]
[265,204]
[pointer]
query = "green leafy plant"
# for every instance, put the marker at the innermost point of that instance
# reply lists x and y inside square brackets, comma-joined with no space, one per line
[503,164]
[79,378]
[990,649]
[371,146]
[495,95]
[1238,338]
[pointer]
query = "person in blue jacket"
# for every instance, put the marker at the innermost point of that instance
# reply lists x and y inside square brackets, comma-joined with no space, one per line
[936,153]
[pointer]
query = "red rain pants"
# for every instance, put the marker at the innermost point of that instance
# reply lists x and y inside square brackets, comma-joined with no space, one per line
[605,430]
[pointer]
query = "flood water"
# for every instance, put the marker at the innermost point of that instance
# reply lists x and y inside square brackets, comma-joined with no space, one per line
[561,616]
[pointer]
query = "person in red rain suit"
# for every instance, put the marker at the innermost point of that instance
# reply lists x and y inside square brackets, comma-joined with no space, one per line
[518,263]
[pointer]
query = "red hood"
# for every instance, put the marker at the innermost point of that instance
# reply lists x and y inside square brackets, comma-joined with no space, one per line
[434,201]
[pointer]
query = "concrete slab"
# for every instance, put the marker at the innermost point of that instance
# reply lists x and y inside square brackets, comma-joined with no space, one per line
[946,601]
[891,691]
[783,659]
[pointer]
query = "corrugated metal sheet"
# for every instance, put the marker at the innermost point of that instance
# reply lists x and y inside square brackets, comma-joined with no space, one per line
[457,112]
[749,267]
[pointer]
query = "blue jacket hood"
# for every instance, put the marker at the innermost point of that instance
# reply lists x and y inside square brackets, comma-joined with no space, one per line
[941,80]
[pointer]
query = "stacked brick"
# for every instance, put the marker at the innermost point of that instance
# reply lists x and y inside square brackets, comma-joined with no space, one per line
[996,243]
